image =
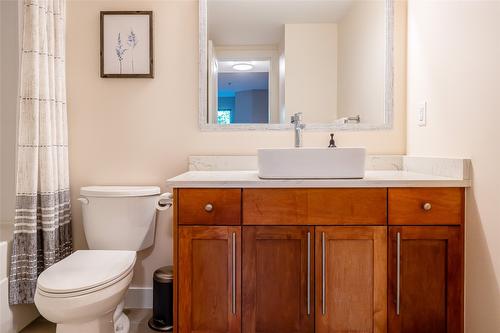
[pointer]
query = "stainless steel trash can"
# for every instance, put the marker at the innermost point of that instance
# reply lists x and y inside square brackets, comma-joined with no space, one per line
[163,293]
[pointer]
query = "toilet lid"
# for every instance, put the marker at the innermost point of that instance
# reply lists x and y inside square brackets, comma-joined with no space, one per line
[119,191]
[85,270]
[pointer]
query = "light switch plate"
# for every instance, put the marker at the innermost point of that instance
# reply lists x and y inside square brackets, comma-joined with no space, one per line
[422,114]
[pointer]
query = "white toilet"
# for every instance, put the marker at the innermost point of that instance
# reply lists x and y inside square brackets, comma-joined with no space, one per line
[85,291]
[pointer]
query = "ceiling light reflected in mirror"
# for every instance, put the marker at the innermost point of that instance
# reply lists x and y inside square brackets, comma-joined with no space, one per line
[243,67]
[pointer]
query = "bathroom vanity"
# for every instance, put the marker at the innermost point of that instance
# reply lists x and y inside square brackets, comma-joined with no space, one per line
[383,253]
[379,254]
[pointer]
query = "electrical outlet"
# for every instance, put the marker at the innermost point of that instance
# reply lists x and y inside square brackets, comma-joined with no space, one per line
[422,114]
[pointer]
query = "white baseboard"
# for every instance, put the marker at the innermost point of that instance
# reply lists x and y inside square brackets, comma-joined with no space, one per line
[139,298]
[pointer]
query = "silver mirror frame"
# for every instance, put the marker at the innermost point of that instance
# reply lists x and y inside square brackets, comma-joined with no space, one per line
[203,86]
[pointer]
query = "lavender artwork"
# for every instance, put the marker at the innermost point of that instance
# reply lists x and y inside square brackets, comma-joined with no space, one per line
[132,43]
[120,51]
[125,44]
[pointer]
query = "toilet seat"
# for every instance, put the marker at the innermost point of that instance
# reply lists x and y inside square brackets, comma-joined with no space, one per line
[85,272]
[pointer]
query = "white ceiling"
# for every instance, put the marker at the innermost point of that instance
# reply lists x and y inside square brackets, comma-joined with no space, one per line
[260,22]
[231,83]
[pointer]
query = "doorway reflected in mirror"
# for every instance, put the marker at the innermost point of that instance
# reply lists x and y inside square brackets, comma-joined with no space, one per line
[243,91]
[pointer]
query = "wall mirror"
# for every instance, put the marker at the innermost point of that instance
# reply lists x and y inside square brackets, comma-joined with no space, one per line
[262,61]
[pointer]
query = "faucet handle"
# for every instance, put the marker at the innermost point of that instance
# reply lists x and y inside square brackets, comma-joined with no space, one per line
[296,118]
[332,142]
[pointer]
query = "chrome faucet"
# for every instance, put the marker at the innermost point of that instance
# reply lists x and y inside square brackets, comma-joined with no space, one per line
[297,121]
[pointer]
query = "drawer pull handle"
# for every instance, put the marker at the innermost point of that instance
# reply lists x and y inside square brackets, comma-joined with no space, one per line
[323,274]
[427,206]
[233,275]
[309,273]
[209,207]
[398,273]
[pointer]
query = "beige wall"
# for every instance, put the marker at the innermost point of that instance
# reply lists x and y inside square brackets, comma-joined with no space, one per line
[141,131]
[453,64]
[9,62]
[361,61]
[311,71]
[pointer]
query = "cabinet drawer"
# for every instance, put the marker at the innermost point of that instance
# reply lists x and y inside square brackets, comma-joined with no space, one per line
[426,206]
[210,206]
[315,206]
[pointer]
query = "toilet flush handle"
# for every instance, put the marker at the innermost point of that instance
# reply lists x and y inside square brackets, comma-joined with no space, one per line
[83,200]
[165,201]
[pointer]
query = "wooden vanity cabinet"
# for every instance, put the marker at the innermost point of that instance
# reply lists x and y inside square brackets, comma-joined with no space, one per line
[209,206]
[208,271]
[426,260]
[351,279]
[317,260]
[278,279]
[425,279]
[315,206]
[426,206]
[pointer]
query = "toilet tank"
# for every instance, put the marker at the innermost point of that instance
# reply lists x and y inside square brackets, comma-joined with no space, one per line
[119,217]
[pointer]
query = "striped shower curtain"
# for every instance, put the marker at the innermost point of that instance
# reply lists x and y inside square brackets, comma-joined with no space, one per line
[42,232]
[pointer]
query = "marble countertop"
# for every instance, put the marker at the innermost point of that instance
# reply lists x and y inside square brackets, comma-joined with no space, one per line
[373,178]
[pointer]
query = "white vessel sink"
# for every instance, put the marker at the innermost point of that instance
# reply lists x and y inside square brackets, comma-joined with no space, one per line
[307,163]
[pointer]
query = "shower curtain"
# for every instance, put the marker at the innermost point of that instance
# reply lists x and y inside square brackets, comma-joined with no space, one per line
[42,226]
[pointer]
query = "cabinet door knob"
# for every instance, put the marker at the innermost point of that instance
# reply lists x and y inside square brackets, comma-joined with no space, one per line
[209,207]
[427,206]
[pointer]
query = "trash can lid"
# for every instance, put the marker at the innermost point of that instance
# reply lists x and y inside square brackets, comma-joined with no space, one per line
[164,274]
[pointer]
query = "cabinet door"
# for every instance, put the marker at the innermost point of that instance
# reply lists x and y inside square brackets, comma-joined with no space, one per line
[278,279]
[425,280]
[351,279]
[208,276]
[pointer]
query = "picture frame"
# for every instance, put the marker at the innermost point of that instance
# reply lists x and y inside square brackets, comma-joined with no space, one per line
[126,44]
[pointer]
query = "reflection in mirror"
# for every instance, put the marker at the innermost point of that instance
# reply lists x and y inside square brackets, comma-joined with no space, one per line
[328,59]
[243,92]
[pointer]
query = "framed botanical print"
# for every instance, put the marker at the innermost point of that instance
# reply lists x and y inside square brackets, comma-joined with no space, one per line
[127,44]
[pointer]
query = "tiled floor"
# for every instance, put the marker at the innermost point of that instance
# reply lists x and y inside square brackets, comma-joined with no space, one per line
[138,323]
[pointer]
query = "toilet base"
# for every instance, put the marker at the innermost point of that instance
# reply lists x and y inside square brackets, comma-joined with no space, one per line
[113,322]
[102,324]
